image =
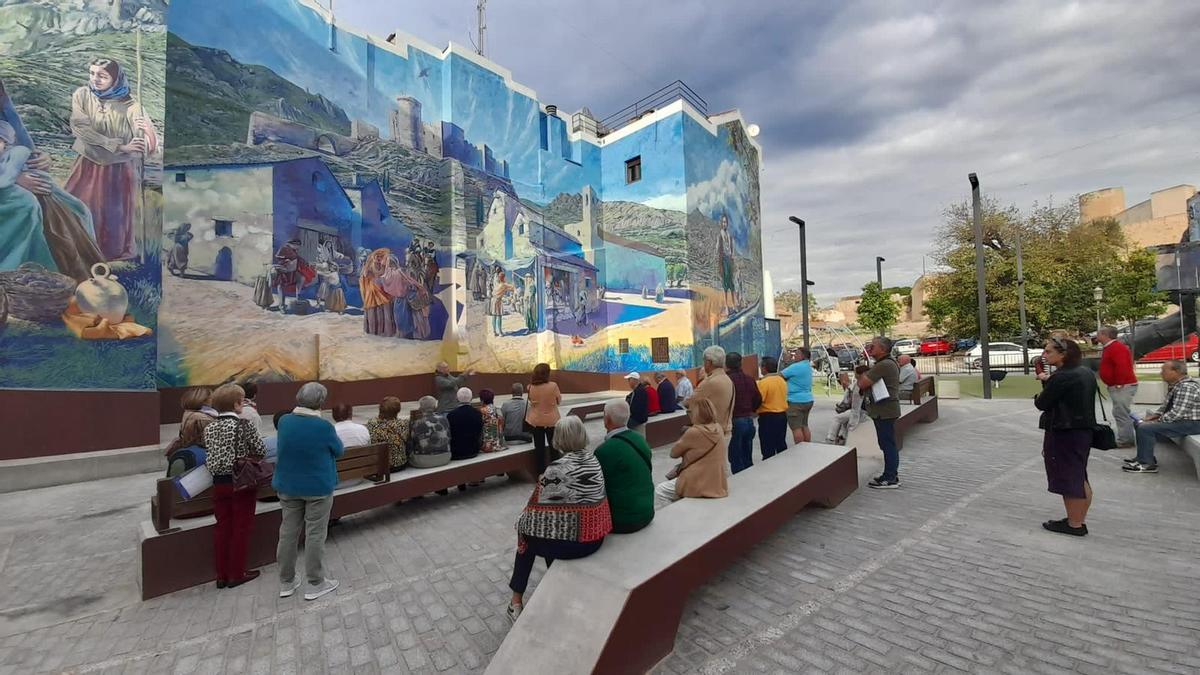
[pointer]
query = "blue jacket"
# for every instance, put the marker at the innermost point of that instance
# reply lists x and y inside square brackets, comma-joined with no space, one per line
[667,402]
[639,406]
[308,452]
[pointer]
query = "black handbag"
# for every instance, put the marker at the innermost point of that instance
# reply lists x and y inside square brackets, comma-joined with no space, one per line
[1103,437]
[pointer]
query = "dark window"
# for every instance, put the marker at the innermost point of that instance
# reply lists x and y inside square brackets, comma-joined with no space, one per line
[623,346]
[181,178]
[521,228]
[224,228]
[633,169]
[660,350]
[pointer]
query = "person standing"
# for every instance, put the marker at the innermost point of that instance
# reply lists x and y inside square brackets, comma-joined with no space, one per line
[666,393]
[1117,373]
[639,403]
[543,415]
[1068,405]
[305,477]
[624,457]
[683,386]
[1179,416]
[228,439]
[772,414]
[716,388]
[746,400]
[885,411]
[799,378]
[446,386]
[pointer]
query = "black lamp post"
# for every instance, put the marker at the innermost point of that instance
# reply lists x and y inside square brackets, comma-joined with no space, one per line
[981,289]
[804,283]
[879,260]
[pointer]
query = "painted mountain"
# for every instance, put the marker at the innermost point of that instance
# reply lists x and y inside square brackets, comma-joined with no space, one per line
[660,228]
[210,96]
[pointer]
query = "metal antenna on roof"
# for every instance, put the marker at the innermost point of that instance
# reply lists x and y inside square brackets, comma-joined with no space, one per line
[481,25]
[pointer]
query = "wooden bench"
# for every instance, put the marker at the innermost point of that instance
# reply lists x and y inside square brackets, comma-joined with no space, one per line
[618,610]
[370,462]
[182,557]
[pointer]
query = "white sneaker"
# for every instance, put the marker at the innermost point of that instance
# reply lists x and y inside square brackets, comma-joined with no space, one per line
[315,592]
[286,590]
[514,612]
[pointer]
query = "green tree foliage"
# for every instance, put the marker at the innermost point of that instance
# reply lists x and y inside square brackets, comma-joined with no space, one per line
[877,311]
[789,301]
[1129,294]
[1063,261]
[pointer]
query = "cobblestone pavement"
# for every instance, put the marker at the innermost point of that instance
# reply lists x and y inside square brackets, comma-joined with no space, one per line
[952,572]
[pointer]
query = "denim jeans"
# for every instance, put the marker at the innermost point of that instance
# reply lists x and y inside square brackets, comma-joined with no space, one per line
[741,444]
[1148,434]
[1122,401]
[885,433]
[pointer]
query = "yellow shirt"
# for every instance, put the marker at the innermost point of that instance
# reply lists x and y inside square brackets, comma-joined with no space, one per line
[774,394]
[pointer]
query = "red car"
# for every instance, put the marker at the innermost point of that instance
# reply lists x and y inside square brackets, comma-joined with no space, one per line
[1175,350]
[936,346]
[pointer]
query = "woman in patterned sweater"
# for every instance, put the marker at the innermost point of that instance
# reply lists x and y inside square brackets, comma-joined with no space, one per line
[567,517]
[227,438]
[388,428]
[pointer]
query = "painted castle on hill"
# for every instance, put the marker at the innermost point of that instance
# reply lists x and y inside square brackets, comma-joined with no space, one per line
[336,206]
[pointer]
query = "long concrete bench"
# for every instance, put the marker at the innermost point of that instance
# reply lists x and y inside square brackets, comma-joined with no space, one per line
[182,557]
[618,610]
[369,462]
[1191,445]
[921,407]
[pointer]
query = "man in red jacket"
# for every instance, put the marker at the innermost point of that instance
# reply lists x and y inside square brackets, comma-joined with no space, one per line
[1116,371]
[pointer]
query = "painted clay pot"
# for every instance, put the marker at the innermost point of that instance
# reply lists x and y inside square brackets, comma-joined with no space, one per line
[103,295]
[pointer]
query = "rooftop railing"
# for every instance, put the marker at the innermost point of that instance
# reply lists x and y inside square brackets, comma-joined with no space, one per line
[665,96]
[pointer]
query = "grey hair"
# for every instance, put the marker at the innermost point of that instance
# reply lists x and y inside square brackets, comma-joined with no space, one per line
[885,342]
[1109,332]
[518,389]
[570,435]
[427,404]
[660,375]
[715,355]
[312,395]
[465,395]
[617,412]
[1177,366]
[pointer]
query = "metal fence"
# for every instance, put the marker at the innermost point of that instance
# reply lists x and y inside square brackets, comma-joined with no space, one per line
[960,364]
[675,91]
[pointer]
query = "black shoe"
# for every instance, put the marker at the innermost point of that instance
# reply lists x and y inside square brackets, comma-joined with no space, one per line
[250,576]
[1064,527]
[1138,467]
[443,492]
[1130,460]
[884,484]
[221,583]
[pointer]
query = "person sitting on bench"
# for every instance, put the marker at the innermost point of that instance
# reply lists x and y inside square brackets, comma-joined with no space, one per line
[351,433]
[390,429]
[466,427]
[667,400]
[639,403]
[567,516]
[186,451]
[272,442]
[702,452]
[908,377]
[430,444]
[652,406]
[625,458]
[514,411]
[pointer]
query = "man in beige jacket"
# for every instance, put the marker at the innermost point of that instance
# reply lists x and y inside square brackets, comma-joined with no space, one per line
[716,388]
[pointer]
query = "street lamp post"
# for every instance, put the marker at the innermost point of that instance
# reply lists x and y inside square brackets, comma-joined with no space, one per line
[1098,296]
[879,270]
[1021,308]
[981,289]
[803,279]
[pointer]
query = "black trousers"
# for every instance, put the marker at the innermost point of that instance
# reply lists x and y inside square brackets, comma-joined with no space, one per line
[551,550]
[543,446]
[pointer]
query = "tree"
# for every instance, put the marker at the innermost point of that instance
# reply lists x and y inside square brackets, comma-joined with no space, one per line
[877,311]
[1130,293]
[789,300]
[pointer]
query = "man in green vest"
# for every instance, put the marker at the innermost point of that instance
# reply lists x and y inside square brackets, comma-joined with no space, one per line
[624,458]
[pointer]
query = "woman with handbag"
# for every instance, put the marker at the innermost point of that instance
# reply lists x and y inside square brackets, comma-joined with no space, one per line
[231,441]
[1068,417]
[702,453]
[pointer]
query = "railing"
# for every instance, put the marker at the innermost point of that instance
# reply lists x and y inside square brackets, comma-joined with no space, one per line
[675,91]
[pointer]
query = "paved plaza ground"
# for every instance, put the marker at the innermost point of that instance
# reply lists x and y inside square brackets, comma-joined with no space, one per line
[951,573]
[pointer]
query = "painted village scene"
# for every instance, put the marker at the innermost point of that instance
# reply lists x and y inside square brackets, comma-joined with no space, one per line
[312,203]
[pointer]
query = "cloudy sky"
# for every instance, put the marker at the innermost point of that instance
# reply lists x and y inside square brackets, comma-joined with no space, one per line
[873,111]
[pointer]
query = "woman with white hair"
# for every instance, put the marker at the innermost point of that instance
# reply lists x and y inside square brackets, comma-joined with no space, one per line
[430,436]
[305,477]
[466,427]
[567,516]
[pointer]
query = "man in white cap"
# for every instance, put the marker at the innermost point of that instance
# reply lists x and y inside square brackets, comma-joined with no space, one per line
[639,403]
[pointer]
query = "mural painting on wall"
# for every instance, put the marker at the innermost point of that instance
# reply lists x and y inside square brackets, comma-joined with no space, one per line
[81,118]
[340,216]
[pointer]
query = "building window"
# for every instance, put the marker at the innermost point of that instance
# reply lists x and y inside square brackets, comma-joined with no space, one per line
[633,169]
[623,346]
[660,350]
[224,228]
[181,178]
[521,230]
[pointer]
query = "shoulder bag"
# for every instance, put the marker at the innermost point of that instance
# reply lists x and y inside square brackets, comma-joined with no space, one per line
[1103,437]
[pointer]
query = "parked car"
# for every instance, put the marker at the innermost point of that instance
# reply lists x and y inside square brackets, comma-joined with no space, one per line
[1001,355]
[849,355]
[906,346]
[963,344]
[1175,350]
[936,346]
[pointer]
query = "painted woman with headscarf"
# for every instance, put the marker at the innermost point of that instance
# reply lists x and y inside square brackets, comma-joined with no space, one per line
[725,264]
[531,308]
[112,135]
[378,313]
[36,215]
[399,284]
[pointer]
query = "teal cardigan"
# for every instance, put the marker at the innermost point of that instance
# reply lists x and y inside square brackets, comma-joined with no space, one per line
[308,451]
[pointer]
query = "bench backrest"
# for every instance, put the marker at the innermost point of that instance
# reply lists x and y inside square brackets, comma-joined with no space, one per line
[924,387]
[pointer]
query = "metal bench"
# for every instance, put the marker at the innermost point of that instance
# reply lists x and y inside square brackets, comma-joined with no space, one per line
[618,610]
